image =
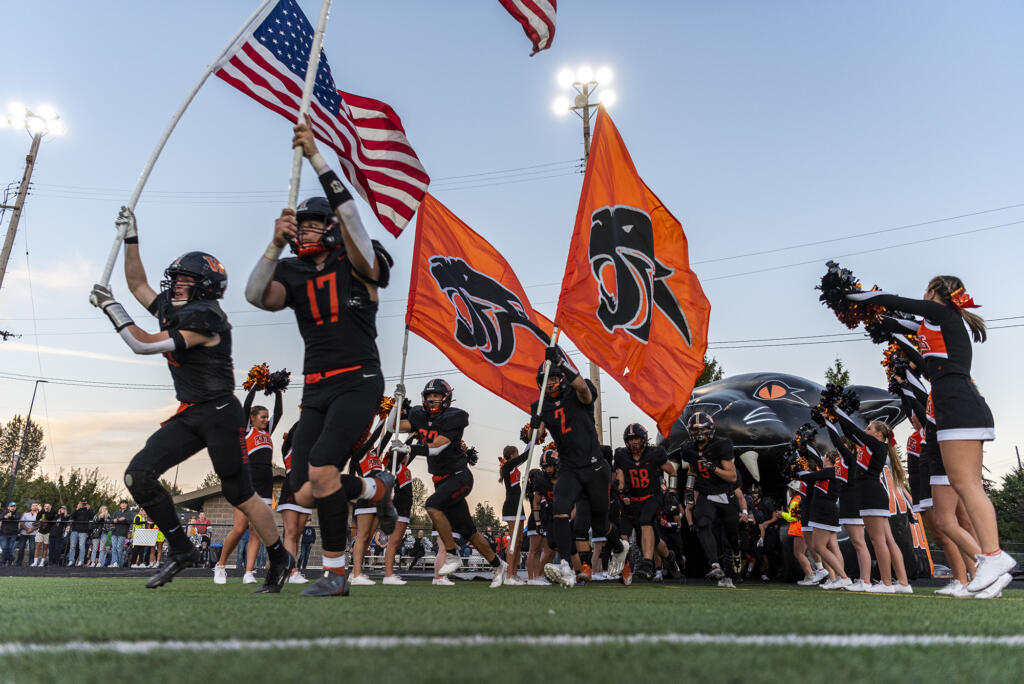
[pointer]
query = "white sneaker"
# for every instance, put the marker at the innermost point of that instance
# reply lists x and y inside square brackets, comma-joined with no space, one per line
[514,581]
[726,583]
[842,583]
[961,592]
[807,581]
[903,588]
[499,574]
[361,580]
[859,585]
[34,561]
[297,578]
[250,578]
[393,580]
[154,564]
[442,582]
[879,588]
[538,582]
[599,577]
[948,590]
[995,590]
[220,574]
[562,574]
[79,564]
[827,586]
[990,569]
[616,561]
[820,574]
[451,564]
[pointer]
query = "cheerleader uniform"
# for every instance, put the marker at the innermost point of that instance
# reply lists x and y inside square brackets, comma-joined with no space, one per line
[259,449]
[512,479]
[945,342]
[824,513]
[286,499]
[871,455]
[846,475]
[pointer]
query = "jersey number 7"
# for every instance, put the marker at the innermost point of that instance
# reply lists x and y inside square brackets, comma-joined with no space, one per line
[560,414]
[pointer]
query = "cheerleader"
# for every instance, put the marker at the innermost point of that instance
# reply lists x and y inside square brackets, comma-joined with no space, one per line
[963,420]
[875,444]
[510,477]
[366,522]
[849,507]
[824,519]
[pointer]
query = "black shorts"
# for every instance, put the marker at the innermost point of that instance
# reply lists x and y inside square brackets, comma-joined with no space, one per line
[642,512]
[336,412]
[960,410]
[218,426]
[874,497]
[262,479]
[824,514]
[286,500]
[403,502]
[714,510]
[849,505]
[449,498]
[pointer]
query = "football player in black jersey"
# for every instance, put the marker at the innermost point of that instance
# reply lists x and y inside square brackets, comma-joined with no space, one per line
[568,416]
[712,476]
[638,467]
[331,285]
[439,427]
[195,337]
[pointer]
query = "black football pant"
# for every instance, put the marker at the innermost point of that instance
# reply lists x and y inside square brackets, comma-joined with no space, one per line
[705,514]
[449,498]
[217,426]
[588,483]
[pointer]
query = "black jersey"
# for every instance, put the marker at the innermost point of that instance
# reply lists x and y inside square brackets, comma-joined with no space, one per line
[510,475]
[451,424]
[336,317]
[670,512]
[570,423]
[642,475]
[199,373]
[545,486]
[717,451]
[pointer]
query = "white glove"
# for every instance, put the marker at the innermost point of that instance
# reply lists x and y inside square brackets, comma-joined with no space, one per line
[126,222]
[400,448]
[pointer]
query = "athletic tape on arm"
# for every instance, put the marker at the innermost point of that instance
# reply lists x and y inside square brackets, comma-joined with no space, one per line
[140,347]
[260,279]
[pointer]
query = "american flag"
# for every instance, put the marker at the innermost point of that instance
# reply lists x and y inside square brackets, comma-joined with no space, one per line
[537,18]
[269,65]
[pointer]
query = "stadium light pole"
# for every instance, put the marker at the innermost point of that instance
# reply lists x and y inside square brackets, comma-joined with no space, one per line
[45,122]
[24,439]
[586,84]
[611,437]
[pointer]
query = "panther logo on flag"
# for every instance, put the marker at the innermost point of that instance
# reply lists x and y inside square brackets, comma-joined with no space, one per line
[486,311]
[622,240]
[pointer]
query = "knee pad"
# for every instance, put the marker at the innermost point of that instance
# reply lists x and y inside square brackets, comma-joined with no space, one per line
[145,487]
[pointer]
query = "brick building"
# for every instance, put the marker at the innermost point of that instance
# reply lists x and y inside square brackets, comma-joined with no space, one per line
[212,502]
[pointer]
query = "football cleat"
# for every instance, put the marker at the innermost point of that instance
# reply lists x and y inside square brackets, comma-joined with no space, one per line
[277,575]
[387,516]
[451,563]
[330,584]
[617,560]
[499,574]
[716,572]
[220,574]
[627,575]
[584,575]
[672,565]
[175,564]
[561,574]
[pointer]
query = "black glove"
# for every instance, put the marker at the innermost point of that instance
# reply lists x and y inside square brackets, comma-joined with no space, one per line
[534,422]
[706,465]
[689,498]
[558,358]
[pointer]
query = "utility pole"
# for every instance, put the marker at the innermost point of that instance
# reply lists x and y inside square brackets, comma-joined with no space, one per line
[19,203]
[24,439]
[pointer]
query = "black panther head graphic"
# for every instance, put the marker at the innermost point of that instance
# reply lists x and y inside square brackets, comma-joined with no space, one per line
[486,312]
[622,239]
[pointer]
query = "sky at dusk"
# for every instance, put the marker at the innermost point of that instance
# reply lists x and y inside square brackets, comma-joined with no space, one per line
[773,131]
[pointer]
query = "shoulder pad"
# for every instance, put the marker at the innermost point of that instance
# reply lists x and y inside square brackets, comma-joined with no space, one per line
[417,416]
[202,316]
[453,419]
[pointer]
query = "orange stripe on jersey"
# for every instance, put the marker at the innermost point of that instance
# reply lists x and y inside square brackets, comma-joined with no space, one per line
[914,443]
[842,472]
[257,439]
[370,462]
[404,476]
[822,486]
[863,457]
[930,341]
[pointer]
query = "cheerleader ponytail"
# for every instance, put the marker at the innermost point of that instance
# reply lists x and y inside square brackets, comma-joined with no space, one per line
[951,292]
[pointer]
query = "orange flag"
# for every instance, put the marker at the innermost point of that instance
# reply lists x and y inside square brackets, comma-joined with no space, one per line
[465,299]
[629,300]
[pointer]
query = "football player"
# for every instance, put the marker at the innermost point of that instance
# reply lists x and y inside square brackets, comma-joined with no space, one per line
[332,285]
[195,337]
[712,476]
[439,426]
[568,416]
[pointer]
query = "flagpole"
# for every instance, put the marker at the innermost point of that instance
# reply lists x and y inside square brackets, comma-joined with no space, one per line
[307,96]
[400,393]
[529,455]
[108,268]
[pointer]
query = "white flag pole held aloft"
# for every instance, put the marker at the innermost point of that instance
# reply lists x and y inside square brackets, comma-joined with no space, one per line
[144,176]
[529,457]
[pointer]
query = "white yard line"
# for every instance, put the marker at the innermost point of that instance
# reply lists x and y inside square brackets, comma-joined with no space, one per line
[388,642]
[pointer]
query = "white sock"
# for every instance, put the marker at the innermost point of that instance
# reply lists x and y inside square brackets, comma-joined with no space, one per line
[819,566]
[369,489]
[338,562]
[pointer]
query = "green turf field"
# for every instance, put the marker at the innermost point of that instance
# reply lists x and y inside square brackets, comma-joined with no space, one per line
[55,611]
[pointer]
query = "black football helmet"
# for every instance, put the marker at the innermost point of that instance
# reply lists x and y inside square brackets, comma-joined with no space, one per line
[556,373]
[205,269]
[635,431]
[701,427]
[437,386]
[549,459]
[316,209]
